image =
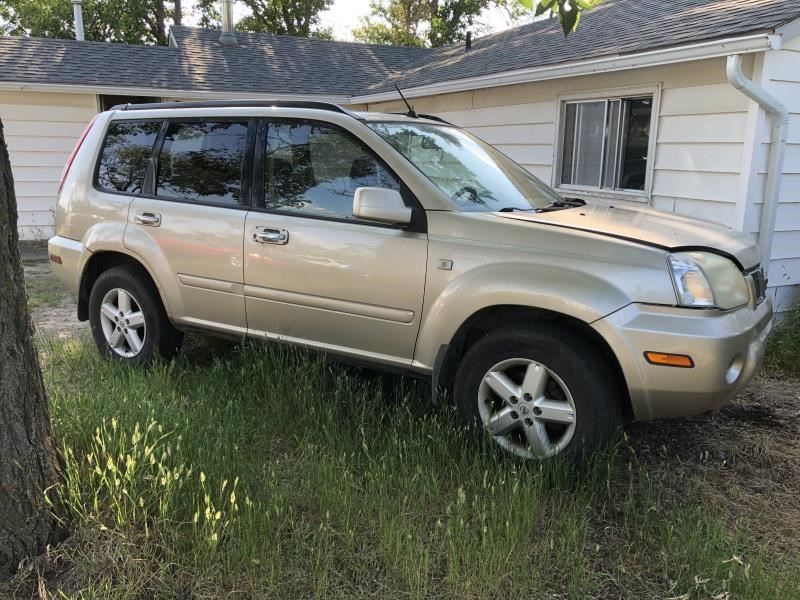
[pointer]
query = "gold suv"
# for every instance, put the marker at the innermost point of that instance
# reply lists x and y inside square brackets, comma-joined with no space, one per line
[404,242]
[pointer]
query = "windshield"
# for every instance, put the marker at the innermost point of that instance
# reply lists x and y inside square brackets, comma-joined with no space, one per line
[474,175]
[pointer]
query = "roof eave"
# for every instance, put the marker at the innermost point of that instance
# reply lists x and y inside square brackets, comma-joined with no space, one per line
[760,42]
[164,92]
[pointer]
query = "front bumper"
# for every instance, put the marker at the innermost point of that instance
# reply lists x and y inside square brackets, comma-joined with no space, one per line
[727,348]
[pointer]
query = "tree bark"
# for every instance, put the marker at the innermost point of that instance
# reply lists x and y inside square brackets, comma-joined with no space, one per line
[28,461]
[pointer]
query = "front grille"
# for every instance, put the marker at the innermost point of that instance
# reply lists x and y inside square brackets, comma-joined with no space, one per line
[759,285]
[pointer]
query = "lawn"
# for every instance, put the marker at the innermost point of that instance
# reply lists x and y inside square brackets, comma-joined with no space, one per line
[256,471]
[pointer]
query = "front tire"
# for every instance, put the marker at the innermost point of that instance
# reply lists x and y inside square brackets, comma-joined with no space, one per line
[539,392]
[128,320]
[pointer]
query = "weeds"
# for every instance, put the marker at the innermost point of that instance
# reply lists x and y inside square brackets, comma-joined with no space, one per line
[783,348]
[265,472]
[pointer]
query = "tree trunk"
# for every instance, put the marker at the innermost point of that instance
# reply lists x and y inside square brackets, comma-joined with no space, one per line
[28,462]
[177,16]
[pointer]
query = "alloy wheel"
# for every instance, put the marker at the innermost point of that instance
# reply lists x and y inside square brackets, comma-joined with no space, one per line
[122,320]
[527,408]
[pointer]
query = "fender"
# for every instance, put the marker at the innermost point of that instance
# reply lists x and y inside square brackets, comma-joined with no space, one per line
[109,236]
[550,287]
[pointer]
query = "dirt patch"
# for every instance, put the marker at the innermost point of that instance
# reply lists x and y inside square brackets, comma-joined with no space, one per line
[745,458]
[52,307]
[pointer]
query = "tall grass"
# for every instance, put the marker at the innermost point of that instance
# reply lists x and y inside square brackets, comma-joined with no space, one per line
[265,472]
[783,348]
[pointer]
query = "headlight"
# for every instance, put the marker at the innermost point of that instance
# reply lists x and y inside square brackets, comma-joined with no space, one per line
[704,279]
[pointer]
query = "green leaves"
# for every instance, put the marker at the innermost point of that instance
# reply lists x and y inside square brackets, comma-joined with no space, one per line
[568,11]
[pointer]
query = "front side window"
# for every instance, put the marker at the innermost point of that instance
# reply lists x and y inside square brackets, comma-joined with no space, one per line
[475,176]
[315,169]
[202,161]
[605,143]
[126,150]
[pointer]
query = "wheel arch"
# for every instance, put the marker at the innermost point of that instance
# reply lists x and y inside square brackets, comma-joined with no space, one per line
[102,261]
[491,318]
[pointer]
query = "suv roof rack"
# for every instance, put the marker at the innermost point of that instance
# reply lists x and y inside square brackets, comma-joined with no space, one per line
[237,104]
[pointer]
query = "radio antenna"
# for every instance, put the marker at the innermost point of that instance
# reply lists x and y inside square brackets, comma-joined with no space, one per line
[411,113]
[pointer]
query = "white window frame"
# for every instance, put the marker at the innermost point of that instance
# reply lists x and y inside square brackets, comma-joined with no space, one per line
[589,192]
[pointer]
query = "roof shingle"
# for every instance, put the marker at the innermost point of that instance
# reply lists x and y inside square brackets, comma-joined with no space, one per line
[275,64]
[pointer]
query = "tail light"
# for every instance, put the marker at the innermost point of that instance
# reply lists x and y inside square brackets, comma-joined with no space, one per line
[74,153]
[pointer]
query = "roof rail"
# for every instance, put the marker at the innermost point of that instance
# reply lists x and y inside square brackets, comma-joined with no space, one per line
[237,104]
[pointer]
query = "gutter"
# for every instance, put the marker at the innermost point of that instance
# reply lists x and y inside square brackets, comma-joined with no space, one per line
[715,49]
[777,152]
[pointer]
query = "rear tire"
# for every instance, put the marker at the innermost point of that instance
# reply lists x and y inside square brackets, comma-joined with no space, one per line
[128,319]
[540,392]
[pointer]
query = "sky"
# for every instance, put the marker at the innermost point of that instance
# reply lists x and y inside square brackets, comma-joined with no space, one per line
[345,15]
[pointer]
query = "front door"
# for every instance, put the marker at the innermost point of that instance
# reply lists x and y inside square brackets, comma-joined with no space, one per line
[314,274]
[189,226]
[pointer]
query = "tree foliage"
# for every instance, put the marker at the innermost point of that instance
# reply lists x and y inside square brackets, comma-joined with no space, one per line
[285,17]
[430,23]
[568,11]
[128,21]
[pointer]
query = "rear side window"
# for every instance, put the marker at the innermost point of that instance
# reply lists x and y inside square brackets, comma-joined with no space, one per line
[125,152]
[202,161]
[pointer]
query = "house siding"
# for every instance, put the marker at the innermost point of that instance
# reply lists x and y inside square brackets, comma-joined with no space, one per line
[781,78]
[700,129]
[40,130]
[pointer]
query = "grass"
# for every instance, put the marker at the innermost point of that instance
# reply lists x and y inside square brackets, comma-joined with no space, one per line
[258,471]
[42,288]
[783,349]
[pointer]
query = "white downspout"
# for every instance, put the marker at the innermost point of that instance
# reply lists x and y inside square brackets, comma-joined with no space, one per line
[780,127]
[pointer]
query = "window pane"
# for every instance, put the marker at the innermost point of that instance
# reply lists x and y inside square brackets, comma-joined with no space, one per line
[612,144]
[203,161]
[583,143]
[314,169]
[635,143]
[570,119]
[124,160]
[590,136]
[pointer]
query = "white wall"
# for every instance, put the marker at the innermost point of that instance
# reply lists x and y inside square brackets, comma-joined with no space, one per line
[40,130]
[779,74]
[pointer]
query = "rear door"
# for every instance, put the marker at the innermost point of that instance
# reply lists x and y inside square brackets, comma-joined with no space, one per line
[313,273]
[189,222]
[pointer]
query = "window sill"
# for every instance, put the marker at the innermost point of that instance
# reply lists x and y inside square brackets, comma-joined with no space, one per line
[598,194]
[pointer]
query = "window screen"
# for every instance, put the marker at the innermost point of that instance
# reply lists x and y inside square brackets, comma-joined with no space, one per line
[126,149]
[202,161]
[605,143]
[315,169]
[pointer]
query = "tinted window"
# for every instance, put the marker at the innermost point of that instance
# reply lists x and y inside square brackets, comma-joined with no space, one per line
[125,153]
[315,169]
[203,161]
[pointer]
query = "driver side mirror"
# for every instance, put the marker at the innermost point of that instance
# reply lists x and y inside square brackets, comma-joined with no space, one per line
[381,205]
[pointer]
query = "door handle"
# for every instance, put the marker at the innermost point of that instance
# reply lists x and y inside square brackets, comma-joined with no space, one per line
[150,219]
[267,235]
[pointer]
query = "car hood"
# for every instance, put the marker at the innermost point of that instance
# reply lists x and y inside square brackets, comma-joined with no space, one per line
[650,227]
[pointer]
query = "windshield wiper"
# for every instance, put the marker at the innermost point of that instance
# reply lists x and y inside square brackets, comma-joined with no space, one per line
[516,208]
[562,204]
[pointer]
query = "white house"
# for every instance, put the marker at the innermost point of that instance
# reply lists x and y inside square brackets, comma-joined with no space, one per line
[689,106]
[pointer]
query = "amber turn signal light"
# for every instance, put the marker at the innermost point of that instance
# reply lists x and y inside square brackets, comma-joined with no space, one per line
[669,360]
